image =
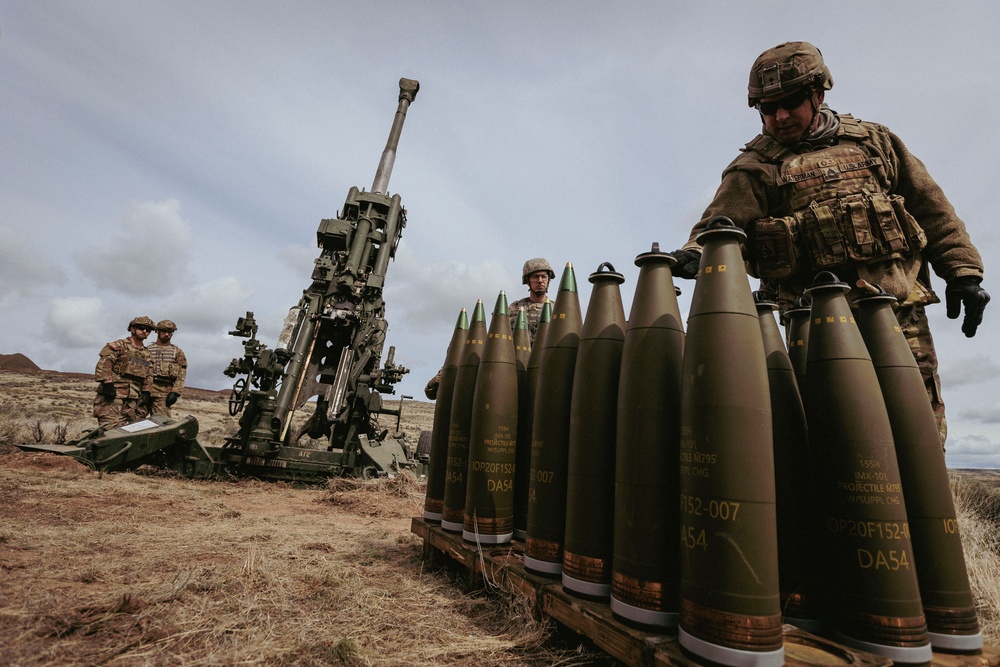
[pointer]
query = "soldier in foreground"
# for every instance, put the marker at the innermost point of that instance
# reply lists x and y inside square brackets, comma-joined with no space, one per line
[169,369]
[536,274]
[822,191]
[124,374]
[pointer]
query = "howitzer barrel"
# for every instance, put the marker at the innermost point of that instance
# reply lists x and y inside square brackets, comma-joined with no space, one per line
[407,93]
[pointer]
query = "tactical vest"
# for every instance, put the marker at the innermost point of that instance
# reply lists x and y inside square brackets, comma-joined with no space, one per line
[129,362]
[165,366]
[839,214]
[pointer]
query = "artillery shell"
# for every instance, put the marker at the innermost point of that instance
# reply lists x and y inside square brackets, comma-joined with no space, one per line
[543,544]
[442,417]
[457,463]
[646,562]
[489,499]
[872,582]
[730,604]
[590,490]
[949,606]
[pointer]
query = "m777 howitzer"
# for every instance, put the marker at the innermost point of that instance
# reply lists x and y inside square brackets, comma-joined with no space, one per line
[330,347]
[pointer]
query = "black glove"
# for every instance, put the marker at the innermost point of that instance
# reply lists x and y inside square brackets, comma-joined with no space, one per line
[966,291]
[172,398]
[108,390]
[687,263]
[145,399]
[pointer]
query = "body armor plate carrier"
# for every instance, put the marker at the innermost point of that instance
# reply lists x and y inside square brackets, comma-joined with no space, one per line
[840,215]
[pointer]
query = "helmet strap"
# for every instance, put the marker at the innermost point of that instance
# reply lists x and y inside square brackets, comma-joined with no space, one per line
[814,121]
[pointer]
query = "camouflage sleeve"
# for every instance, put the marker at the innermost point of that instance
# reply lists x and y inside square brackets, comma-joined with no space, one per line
[748,192]
[182,364]
[104,371]
[431,390]
[949,247]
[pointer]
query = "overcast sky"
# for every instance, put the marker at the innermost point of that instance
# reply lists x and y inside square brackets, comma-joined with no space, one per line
[174,159]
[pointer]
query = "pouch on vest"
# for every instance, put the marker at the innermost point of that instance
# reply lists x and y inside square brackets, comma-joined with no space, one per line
[775,248]
[911,228]
[824,239]
[860,228]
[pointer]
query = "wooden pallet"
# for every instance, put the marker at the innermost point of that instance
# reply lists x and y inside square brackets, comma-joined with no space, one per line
[632,646]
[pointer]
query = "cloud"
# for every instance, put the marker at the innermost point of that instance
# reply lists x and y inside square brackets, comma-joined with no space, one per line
[150,255]
[972,451]
[969,370]
[77,323]
[299,259]
[432,293]
[544,138]
[983,413]
[208,307]
[24,271]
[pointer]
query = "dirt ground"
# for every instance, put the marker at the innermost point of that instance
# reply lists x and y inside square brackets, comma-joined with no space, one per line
[148,568]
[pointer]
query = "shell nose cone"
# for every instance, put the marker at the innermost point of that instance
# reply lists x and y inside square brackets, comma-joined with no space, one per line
[720,225]
[826,280]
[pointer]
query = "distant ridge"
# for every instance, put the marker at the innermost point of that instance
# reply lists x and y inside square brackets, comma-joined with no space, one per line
[17,362]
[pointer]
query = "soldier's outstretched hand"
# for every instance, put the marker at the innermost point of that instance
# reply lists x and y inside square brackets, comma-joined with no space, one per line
[687,263]
[965,291]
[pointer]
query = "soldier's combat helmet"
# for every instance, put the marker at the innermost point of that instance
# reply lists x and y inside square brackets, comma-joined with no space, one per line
[166,325]
[785,69]
[535,265]
[142,321]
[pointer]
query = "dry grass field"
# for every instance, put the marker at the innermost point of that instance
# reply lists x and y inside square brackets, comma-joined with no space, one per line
[148,568]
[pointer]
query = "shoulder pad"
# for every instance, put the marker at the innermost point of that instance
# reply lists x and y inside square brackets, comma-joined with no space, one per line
[767,147]
[851,128]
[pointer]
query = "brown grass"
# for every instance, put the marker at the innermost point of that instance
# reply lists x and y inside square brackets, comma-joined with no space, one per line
[976,496]
[144,569]
[149,568]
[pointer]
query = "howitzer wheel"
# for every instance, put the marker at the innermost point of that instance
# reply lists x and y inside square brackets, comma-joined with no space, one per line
[238,397]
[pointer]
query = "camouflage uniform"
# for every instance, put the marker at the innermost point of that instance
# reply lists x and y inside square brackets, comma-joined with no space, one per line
[130,369]
[532,313]
[431,389]
[532,310]
[797,203]
[169,372]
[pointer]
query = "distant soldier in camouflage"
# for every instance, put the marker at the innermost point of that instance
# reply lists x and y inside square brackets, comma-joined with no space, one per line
[124,375]
[536,274]
[819,190]
[169,368]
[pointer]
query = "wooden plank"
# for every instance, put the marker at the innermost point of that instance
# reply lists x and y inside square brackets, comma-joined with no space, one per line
[504,566]
[584,618]
[990,657]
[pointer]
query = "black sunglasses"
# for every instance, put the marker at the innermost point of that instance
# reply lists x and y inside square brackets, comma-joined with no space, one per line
[141,327]
[793,101]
